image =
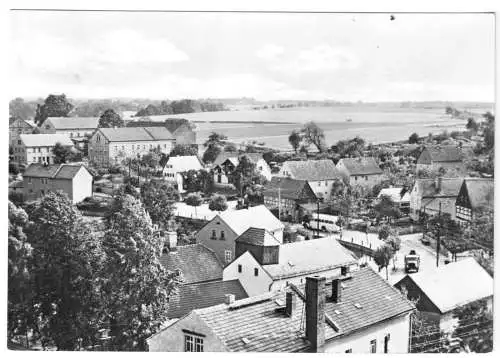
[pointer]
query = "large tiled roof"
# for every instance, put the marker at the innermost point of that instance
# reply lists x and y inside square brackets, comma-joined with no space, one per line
[361,166]
[309,256]
[445,204]
[132,134]
[45,140]
[201,295]
[255,216]
[255,325]
[185,163]
[481,192]
[74,122]
[54,171]
[197,263]
[428,188]
[233,156]
[312,170]
[444,153]
[256,236]
[455,284]
[287,188]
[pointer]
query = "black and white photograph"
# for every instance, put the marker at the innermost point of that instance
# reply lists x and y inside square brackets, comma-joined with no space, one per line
[284,181]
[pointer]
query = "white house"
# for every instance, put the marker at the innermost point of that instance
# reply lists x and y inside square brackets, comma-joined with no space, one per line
[364,172]
[320,174]
[262,264]
[37,148]
[354,313]
[226,163]
[177,165]
[74,180]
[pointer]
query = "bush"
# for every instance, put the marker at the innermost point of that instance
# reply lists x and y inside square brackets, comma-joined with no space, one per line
[16,198]
[13,168]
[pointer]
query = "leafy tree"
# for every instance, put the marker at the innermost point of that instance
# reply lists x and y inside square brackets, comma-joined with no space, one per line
[295,138]
[54,106]
[313,134]
[475,326]
[230,148]
[110,119]
[382,257]
[18,108]
[198,180]
[184,150]
[195,200]
[472,125]
[480,231]
[158,200]
[449,110]
[66,266]
[217,203]
[138,286]
[245,174]
[215,139]
[350,148]
[62,154]
[211,153]
[413,138]
[386,207]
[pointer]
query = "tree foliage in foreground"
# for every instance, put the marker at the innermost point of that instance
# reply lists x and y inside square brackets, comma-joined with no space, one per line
[158,199]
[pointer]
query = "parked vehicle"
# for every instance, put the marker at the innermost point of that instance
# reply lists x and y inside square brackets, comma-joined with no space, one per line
[412,262]
[324,222]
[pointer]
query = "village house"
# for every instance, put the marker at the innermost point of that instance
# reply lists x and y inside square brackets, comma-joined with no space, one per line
[429,196]
[434,158]
[17,127]
[399,196]
[320,174]
[226,162]
[283,196]
[183,132]
[220,233]
[361,171]
[113,145]
[263,264]
[175,166]
[475,194]
[354,313]
[73,127]
[37,148]
[440,291]
[74,180]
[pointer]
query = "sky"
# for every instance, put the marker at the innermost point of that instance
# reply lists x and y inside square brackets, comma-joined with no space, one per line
[267,56]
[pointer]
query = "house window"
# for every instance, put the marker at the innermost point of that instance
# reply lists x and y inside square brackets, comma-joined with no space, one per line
[348,350]
[214,235]
[29,180]
[240,269]
[386,343]
[256,271]
[356,178]
[19,141]
[366,177]
[228,255]
[222,237]
[373,346]
[192,343]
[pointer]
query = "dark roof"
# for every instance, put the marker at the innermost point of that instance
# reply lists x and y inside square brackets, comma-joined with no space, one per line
[197,263]
[201,295]
[444,153]
[54,171]
[312,170]
[258,236]
[74,122]
[132,134]
[159,133]
[287,188]
[361,166]
[481,192]
[428,188]
[254,325]
[223,156]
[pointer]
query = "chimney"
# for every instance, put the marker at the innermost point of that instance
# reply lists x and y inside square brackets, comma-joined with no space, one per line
[291,303]
[229,299]
[336,290]
[438,182]
[315,311]
[171,240]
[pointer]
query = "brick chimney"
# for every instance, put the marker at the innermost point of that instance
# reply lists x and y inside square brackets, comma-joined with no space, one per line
[438,183]
[171,240]
[336,290]
[291,303]
[315,311]
[229,299]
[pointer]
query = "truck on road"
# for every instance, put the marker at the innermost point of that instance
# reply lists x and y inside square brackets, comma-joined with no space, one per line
[412,262]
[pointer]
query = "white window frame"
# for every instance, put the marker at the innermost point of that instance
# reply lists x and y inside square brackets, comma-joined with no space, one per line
[228,255]
[193,343]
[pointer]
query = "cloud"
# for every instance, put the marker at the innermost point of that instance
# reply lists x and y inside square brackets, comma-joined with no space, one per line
[320,58]
[270,52]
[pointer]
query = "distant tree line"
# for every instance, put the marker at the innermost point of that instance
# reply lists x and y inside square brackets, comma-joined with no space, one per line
[178,107]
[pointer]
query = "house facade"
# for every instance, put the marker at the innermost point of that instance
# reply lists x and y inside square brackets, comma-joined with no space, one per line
[73,127]
[475,194]
[355,313]
[17,127]
[225,164]
[74,180]
[364,172]
[183,133]
[320,174]
[37,148]
[112,145]
[446,157]
[220,233]
[285,195]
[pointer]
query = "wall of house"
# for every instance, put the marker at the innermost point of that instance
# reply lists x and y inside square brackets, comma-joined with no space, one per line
[253,285]
[17,128]
[219,176]
[322,188]
[99,149]
[184,135]
[264,169]
[172,338]
[204,236]
[82,185]
[35,188]
[397,328]
[121,150]
[415,203]
[288,207]
[39,155]
[366,181]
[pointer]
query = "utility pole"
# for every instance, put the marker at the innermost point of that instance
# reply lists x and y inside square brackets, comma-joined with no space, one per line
[438,246]
[279,201]
[317,219]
